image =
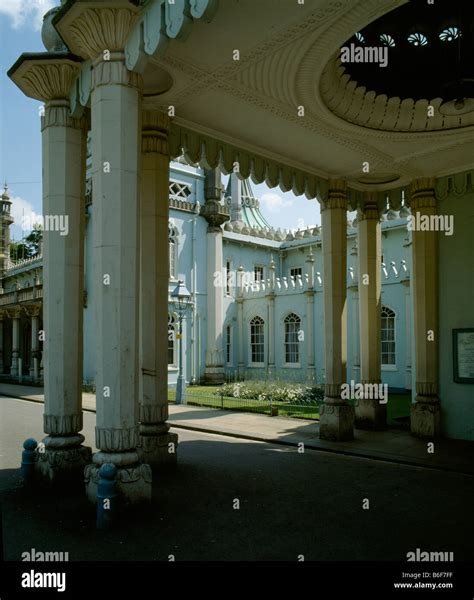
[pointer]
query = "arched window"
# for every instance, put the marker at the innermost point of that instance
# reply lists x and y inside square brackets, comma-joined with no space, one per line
[173,252]
[388,336]
[171,340]
[292,346]
[257,340]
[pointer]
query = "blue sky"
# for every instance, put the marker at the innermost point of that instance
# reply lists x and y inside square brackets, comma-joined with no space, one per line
[20,146]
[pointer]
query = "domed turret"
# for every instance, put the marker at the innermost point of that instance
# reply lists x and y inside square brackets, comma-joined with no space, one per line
[6,220]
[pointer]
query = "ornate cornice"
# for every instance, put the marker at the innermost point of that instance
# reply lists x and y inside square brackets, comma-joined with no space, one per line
[89,30]
[351,102]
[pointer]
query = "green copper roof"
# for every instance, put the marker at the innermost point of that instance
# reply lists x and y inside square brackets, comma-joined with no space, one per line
[249,209]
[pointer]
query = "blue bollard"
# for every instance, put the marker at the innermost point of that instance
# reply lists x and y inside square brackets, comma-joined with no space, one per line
[106,496]
[28,459]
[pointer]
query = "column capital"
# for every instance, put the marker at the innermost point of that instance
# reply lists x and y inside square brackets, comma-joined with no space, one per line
[337,195]
[14,313]
[112,71]
[57,114]
[33,310]
[155,128]
[90,30]
[369,208]
[422,193]
[45,78]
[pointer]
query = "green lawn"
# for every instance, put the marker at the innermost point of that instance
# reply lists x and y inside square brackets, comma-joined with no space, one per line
[398,404]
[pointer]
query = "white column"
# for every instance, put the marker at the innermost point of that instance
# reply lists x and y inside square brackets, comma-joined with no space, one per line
[337,416]
[309,333]
[369,412]
[355,333]
[116,133]
[157,446]
[34,314]
[2,314]
[15,316]
[408,383]
[240,323]
[64,159]
[271,322]
[215,214]
[426,412]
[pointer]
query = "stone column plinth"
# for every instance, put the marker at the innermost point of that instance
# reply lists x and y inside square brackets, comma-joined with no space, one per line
[337,415]
[369,412]
[116,134]
[157,446]
[426,412]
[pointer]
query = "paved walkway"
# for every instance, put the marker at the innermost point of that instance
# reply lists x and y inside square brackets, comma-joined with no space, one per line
[392,445]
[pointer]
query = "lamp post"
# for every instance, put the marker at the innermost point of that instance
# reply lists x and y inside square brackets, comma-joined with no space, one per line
[182,298]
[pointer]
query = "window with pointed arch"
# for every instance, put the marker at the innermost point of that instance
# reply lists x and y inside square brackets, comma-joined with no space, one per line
[172,330]
[257,341]
[292,344]
[173,252]
[388,336]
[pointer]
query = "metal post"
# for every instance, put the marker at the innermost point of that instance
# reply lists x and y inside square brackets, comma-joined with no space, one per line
[106,496]
[180,390]
[28,459]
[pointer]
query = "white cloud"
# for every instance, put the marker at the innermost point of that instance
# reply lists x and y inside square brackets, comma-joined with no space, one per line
[24,216]
[274,203]
[23,12]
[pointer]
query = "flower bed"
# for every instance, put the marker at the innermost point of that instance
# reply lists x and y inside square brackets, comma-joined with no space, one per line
[288,393]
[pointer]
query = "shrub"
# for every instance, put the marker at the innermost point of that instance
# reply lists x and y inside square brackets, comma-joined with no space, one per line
[291,393]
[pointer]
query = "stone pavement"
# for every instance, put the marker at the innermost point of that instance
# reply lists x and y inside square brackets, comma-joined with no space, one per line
[392,445]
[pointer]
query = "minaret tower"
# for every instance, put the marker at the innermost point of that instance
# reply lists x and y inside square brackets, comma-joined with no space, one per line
[5,221]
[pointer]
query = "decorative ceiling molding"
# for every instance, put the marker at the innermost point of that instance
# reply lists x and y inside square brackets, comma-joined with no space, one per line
[160,21]
[354,103]
[212,153]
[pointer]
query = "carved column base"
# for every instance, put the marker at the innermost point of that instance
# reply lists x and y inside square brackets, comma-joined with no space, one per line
[426,417]
[133,478]
[370,414]
[336,421]
[158,451]
[63,459]
[214,376]
[271,372]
